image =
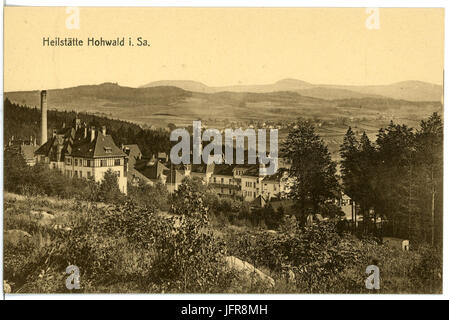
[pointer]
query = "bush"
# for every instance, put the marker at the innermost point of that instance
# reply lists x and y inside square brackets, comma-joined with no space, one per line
[152,197]
[128,243]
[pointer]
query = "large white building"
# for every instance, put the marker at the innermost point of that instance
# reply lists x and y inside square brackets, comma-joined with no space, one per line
[79,151]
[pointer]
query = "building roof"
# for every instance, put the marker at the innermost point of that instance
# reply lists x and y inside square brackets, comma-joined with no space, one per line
[252,172]
[280,173]
[76,141]
[45,148]
[133,152]
[173,176]
[203,168]
[101,146]
[224,170]
[151,170]
[57,146]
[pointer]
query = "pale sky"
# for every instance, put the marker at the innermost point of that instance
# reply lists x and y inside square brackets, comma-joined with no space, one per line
[220,47]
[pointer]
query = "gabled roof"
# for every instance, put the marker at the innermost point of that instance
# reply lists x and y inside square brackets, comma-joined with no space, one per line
[101,146]
[45,148]
[133,152]
[151,170]
[58,144]
[173,176]
[133,173]
[76,141]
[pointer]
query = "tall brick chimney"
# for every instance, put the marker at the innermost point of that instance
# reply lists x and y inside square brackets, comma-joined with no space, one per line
[43,116]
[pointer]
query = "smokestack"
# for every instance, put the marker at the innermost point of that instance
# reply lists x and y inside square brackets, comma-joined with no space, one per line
[103,130]
[92,134]
[43,116]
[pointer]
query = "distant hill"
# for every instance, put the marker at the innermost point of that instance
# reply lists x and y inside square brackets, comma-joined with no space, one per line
[406,90]
[165,106]
[161,105]
[188,85]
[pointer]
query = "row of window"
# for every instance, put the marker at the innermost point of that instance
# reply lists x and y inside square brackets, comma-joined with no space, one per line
[222,180]
[79,174]
[91,163]
[250,184]
[250,194]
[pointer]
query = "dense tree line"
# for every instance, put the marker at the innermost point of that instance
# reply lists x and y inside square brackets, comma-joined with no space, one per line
[23,122]
[399,178]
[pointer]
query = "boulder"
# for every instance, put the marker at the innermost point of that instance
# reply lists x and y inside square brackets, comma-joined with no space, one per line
[15,236]
[248,269]
[43,218]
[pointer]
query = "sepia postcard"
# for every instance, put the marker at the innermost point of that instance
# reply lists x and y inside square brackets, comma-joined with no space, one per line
[161,150]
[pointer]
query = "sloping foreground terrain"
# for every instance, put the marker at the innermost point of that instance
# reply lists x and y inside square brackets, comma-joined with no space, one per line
[124,248]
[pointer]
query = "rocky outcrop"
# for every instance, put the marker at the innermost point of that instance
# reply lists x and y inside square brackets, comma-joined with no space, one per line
[248,270]
[42,218]
[15,236]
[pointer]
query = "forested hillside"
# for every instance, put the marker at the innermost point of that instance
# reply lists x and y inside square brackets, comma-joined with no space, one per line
[23,122]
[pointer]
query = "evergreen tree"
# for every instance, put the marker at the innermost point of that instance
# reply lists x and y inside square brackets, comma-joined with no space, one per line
[313,171]
[429,162]
[394,170]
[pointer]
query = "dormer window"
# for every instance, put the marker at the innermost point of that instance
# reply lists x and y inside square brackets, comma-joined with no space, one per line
[108,149]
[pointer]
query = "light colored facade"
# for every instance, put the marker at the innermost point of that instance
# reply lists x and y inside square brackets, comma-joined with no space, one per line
[223,182]
[275,186]
[79,152]
[95,168]
[250,182]
[346,205]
